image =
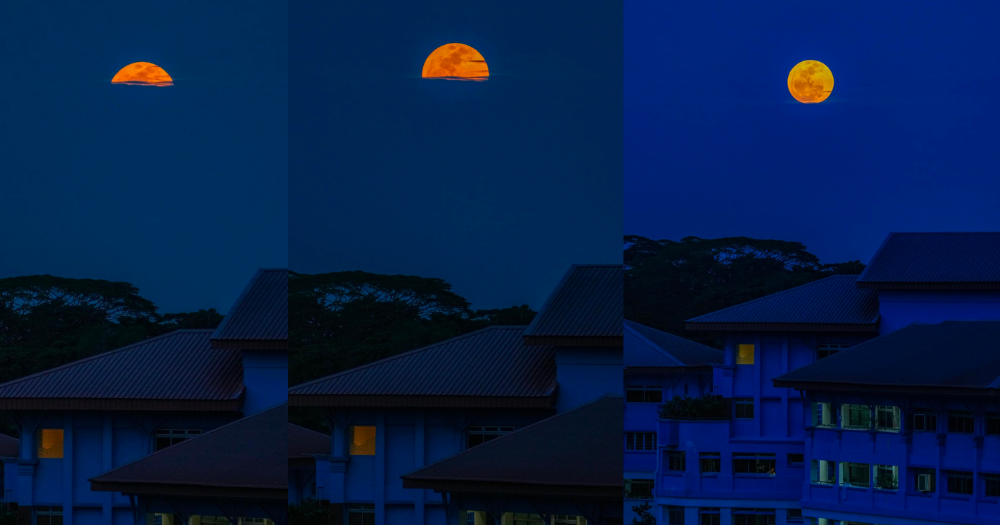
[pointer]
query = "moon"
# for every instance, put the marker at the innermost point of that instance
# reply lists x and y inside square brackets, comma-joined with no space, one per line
[142,74]
[456,62]
[810,81]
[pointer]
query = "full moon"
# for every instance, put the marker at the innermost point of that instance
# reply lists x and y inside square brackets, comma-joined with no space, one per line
[456,62]
[810,81]
[142,74]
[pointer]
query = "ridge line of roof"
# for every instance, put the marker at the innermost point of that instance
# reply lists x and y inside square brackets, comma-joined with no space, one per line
[650,343]
[109,352]
[692,320]
[409,352]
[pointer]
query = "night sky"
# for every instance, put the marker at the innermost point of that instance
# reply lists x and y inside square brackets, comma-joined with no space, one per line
[715,145]
[496,187]
[181,190]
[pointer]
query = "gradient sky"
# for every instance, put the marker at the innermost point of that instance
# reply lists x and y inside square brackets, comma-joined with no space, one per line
[181,191]
[496,187]
[715,146]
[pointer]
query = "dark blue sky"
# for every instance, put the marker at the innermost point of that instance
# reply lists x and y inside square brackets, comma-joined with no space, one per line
[496,187]
[715,145]
[181,191]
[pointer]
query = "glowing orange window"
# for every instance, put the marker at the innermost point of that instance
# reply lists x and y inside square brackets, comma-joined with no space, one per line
[362,441]
[50,443]
[744,354]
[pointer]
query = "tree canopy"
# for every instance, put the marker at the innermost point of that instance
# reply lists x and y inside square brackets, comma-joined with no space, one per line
[667,282]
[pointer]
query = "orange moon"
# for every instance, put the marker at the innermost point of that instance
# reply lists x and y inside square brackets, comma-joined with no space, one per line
[456,62]
[142,74]
[810,81]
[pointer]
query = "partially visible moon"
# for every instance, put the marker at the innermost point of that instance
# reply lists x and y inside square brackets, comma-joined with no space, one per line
[456,62]
[142,74]
[810,81]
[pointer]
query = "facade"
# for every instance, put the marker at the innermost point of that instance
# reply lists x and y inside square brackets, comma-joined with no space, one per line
[751,465]
[84,419]
[419,409]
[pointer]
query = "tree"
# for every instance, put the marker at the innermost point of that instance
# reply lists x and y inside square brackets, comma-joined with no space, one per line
[667,282]
[642,515]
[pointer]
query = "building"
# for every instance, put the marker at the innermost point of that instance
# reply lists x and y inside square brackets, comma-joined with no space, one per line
[86,418]
[658,367]
[399,425]
[748,466]
[303,447]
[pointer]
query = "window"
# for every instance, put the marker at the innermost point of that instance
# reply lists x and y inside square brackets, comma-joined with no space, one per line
[823,415]
[675,460]
[856,417]
[887,418]
[675,515]
[823,472]
[644,394]
[171,436]
[709,462]
[753,464]
[361,514]
[480,435]
[854,474]
[564,519]
[255,521]
[923,479]
[528,519]
[744,354]
[753,516]
[638,489]
[796,460]
[709,516]
[886,477]
[793,515]
[961,422]
[49,515]
[826,350]
[992,425]
[744,407]
[640,441]
[485,518]
[50,445]
[959,483]
[924,422]
[213,520]
[992,482]
[362,441]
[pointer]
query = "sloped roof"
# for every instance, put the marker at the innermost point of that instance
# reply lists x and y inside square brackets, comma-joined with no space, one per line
[9,447]
[935,261]
[647,347]
[831,304]
[578,453]
[259,318]
[585,309]
[492,367]
[175,371]
[303,444]
[244,459]
[954,356]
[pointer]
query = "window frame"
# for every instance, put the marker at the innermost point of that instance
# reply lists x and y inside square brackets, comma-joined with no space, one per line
[917,472]
[647,393]
[758,458]
[360,509]
[740,360]
[40,438]
[848,410]
[351,446]
[960,478]
[50,512]
[994,480]
[800,463]
[991,420]
[830,349]
[832,466]
[847,471]
[485,433]
[747,403]
[630,441]
[629,489]
[967,425]
[709,457]
[675,459]
[174,435]
[928,419]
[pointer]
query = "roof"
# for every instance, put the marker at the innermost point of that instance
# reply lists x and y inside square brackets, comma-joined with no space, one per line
[647,347]
[919,357]
[244,459]
[831,304]
[9,447]
[140,376]
[574,454]
[259,319]
[303,444]
[585,309]
[492,367]
[935,261]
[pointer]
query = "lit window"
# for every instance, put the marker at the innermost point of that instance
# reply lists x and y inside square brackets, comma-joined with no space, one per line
[961,422]
[362,441]
[361,513]
[480,435]
[744,408]
[50,445]
[960,483]
[644,394]
[49,515]
[640,441]
[171,436]
[638,489]
[744,354]
[710,462]
[675,460]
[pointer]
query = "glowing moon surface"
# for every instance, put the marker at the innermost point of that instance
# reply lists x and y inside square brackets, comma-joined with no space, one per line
[456,62]
[142,74]
[810,81]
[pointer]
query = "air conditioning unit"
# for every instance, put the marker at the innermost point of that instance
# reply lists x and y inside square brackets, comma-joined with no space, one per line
[924,482]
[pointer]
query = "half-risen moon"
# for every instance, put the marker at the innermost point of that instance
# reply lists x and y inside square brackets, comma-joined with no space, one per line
[456,62]
[810,81]
[142,74]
